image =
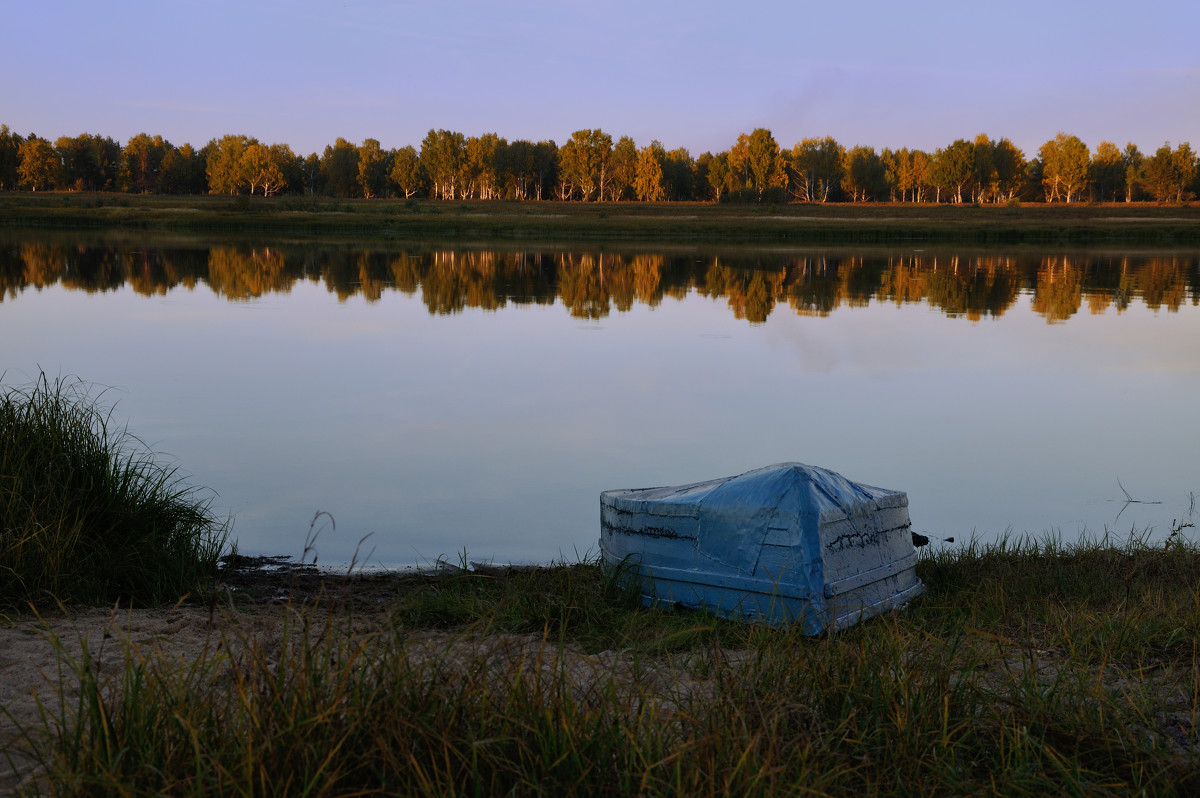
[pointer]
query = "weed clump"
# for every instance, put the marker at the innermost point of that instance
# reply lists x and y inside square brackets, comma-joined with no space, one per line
[87,513]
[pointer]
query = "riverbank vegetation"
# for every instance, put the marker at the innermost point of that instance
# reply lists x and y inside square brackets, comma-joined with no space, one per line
[87,512]
[511,221]
[1026,668]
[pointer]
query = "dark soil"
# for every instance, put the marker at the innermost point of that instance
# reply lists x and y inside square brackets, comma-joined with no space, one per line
[280,578]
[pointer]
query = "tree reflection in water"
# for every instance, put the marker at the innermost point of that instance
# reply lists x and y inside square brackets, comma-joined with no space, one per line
[590,284]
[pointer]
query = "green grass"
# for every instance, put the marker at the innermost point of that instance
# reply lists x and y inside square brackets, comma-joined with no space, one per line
[87,513]
[480,221]
[1027,668]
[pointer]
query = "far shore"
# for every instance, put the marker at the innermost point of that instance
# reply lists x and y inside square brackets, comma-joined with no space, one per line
[476,221]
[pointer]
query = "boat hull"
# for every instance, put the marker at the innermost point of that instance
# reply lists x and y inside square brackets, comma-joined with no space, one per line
[786,544]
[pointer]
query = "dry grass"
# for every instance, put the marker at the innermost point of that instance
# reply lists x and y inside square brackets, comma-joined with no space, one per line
[1027,668]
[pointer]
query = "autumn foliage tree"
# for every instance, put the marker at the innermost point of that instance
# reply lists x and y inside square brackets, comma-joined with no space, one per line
[225,165]
[39,164]
[1065,164]
[622,169]
[999,169]
[583,164]
[589,167]
[267,168]
[1184,161]
[442,155]
[648,183]
[755,165]
[479,177]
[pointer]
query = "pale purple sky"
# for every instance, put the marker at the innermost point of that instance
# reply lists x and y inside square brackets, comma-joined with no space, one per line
[886,74]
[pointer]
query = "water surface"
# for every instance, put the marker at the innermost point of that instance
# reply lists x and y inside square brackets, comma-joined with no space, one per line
[452,400]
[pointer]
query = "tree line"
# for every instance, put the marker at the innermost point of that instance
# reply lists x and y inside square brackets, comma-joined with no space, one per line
[591,167]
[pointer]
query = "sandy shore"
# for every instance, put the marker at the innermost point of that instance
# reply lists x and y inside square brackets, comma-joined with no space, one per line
[40,652]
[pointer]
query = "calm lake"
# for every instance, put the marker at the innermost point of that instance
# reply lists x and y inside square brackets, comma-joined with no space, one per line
[446,400]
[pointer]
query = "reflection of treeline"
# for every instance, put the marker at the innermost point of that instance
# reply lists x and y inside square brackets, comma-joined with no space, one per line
[593,284]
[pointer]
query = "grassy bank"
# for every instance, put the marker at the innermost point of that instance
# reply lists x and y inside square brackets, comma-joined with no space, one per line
[87,513]
[1026,668]
[1078,224]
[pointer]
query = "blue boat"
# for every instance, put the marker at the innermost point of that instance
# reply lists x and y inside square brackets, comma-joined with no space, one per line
[785,544]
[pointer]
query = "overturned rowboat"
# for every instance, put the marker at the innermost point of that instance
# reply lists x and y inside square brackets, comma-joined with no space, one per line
[788,543]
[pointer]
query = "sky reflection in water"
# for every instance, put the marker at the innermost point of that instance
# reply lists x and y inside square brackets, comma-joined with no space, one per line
[493,432]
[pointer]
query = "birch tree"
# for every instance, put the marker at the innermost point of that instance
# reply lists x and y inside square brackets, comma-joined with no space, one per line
[584,163]
[480,170]
[442,155]
[1010,167]
[257,168]
[406,172]
[984,177]
[623,166]
[898,170]
[922,175]
[1134,163]
[954,168]
[718,174]
[817,168]
[572,167]
[268,167]
[765,166]
[1064,167]
[1184,162]
[864,174]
